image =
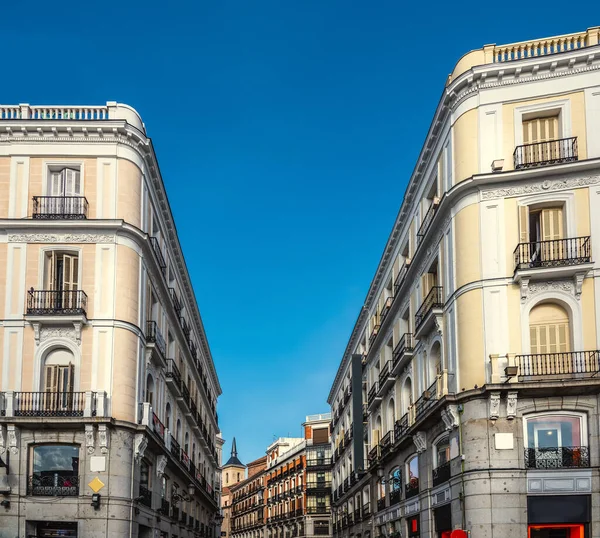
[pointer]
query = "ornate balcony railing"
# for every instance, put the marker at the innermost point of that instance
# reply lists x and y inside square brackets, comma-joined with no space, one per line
[395,495]
[60,207]
[386,308]
[56,302]
[385,373]
[165,507]
[401,427]
[53,484]
[557,457]
[404,345]
[569,364]
[380,504]
[366,511]
[176,301]
[427,399]
[154,336]
[412,488]
[553,253]
[160,259]
[563,150]
[427,219]
[373,392]
[173,371]
[375,331]
[433,300]
[50,404]
[145,496]
[175,447]
[386,443]
[441,474]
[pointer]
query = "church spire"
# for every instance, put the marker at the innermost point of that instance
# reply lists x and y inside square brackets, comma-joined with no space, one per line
[234,449]
[234,460]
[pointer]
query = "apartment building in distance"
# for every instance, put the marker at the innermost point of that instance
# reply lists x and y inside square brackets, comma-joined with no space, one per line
[467,397]
[248,502]
[232,473]
[108,391]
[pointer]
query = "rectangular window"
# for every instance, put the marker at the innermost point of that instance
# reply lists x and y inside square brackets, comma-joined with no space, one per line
[54,471]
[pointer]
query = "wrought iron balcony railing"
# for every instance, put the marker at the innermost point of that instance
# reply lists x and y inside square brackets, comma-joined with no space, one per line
[395,495]
[427,219]
[173,371]
[373,392]
[553,253]
[405,345]
[563,457]
[160,259]
[56,302]
[60,207]
[433,300]
[51,404]
[380,504]
[366,511]
[563,364]
[176,301]
[154,336]
[563,150]
[53,484]
[412,488]
[441,474]
[145,497]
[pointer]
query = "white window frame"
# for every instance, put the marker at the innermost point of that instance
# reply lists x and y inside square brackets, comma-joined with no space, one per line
[582,422]
[562,107]
[47,165]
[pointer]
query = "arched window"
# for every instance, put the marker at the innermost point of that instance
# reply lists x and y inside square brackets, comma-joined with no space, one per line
[442,452]
[549,330]
[178,432]
[434,363]
[412,476]
[186,443]
[377,432]
[59,371]
[391,415]
[407,396]
[226,478]
[395,482]
[150,389]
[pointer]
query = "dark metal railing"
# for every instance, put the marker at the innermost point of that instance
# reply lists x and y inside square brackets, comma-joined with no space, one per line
[173,371]
[373,392]
[318,485]
[51,404]
[401,427]
[441,474]
[366,511]
[395,495]
[60,207]
[160,259]
[557,457]
[154,335]
[56,302]
[385,373]
[563,150]
[185,328]
[386,443]
[404,345]
[386,308]
[412,488]
[400,277]
[571,363]
[145,496]
[175,447]
[427,399]
[165,507]
[433,300]
[374,332]
[53,484]
[380,504]
[553,253]
[176,301]
[427,219]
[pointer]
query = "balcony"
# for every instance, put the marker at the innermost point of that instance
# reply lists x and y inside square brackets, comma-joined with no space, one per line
[558,366]
[563,150]
[374,396]
[427,219]
[403,352]
[385,445]
[56,302]
[160,259]
[318,487]
[565,457]
[373,456]
[412,488]
[165,507]
[386,380]
[395,496]
[558,258]
[51,404]
[173,376]
[177,306]
[60,207]
[366,511]
[386,309]
[145,497]
[430,312]
[357,516]
[380,504]
[400,277]
[374,332]
[441,474]
[401,428]
[53,484]
[430,396]
[175,448]
[154,336]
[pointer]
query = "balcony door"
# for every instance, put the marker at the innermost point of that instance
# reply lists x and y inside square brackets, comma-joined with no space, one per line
[58,381]
[65,189]
[541,135]
[61,279]
[541,230]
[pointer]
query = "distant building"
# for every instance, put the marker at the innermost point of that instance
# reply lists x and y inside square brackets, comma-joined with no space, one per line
[248,501]
[233,472]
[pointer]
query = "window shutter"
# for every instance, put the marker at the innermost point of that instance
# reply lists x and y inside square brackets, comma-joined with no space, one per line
[428,283]
[552,224]
[56,184]
[70,272]
[49,268]
[523,224]
[51,379]
[70,384]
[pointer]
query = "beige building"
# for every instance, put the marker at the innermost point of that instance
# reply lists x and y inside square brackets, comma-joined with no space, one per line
[232,473]
[108,391]
[467,397]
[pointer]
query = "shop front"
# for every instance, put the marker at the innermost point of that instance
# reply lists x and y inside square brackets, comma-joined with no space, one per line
[558,516]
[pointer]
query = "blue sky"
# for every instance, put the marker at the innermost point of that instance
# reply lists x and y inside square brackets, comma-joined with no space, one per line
[286,132]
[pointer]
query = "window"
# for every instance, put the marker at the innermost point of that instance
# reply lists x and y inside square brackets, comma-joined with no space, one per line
[442,452]
[61,271]
[549,330]
[145,493]
[320,436]
[541,230]
[54,470]
[64,181]
[412,476]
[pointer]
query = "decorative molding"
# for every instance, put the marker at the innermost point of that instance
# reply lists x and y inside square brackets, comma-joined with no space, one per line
[140,443]
[60,238]
[450,417]
[578,283]
[161,464]
[13,445]
[511,405]
[547,185]
[103,438]
[494,405]
[89,438]
[43,333]
[420,441]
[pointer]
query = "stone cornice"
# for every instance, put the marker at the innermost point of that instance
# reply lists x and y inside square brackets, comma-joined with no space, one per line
[29,131]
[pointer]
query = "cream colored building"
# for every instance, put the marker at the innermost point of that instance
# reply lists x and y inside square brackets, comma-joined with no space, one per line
[107,383]
[468,394]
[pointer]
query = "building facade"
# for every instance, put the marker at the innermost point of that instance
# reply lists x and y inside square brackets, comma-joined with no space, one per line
[467,397]
[232,473]
[248,502]
[108,390]
[298,480]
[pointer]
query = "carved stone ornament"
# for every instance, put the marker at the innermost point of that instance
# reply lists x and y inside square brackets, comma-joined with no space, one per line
[140,443]
[420,441]
[511,405]
[60,238]
[89,438]
[13,445]
[103,438]
[494,405]
[42,333]
[450,417]
[161,464]
[578,283]
[540,186]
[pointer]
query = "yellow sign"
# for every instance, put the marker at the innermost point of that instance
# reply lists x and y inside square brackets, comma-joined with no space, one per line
[96,485]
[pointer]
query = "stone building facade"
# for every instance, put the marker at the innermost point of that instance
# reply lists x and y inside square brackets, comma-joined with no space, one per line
[467,397]
[108,390]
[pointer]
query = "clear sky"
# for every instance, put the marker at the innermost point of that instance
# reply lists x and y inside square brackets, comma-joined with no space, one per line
[286,132]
